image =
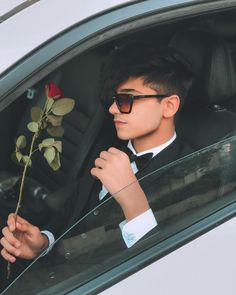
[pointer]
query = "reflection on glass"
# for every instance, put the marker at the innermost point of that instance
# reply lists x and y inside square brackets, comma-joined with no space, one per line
[180,194]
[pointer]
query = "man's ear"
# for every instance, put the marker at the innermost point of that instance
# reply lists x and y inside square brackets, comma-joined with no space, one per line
[170,106]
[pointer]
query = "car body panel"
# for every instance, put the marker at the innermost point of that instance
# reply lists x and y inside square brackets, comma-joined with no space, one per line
[25,64]
[26,27]
[196,268]
[50,18]
[6,6]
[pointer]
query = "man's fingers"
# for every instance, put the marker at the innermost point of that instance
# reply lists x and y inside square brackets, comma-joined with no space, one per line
[104,155]
[113,150]
[96,172]
[100,163]
[7,256]
[10,237]
[9,248]
[11,221]
[21,220]
[28,229]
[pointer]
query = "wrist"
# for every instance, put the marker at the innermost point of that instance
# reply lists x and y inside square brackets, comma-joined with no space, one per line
[45,243]
[133,201]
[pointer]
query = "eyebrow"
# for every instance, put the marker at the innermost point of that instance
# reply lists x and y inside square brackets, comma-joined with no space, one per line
[125,90]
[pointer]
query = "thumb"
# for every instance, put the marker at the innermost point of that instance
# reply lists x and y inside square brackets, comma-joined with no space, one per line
[25,228]
[21,220]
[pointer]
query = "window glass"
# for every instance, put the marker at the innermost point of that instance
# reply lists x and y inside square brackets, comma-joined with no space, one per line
[180,194]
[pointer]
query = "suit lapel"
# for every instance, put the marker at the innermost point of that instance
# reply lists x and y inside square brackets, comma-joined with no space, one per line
[166,156]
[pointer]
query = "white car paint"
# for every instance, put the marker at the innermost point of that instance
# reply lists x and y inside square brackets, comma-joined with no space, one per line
[186,271]
[204,266]
[39,22]
[6,5]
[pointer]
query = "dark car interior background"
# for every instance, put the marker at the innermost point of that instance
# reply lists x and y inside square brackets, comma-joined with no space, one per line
[208,117]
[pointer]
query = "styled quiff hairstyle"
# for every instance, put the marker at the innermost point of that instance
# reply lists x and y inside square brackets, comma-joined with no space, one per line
[163,69]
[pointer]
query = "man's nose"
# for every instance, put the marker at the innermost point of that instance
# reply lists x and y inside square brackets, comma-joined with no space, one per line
[113,109]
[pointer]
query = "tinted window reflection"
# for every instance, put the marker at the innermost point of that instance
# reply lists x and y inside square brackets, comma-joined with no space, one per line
[180,194]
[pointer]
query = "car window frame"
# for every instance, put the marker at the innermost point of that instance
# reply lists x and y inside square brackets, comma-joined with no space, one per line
[49,68]
[90,33]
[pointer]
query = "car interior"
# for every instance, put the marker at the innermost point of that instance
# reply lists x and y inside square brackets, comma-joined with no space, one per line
[208,116]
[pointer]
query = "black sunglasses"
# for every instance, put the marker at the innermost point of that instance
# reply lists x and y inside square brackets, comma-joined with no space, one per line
[124,101]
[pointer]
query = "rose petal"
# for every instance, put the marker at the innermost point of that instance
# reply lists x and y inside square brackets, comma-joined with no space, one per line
[54,91]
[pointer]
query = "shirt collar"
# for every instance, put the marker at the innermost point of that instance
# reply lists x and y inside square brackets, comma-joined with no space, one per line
[156,150]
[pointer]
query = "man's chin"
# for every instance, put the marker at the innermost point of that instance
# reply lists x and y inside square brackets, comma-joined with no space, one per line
[124,136]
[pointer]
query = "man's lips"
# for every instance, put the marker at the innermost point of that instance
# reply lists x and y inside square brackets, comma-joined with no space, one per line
[119,122]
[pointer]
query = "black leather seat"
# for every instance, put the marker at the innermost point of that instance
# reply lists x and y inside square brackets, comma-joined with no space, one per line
[79,80]
[205,118]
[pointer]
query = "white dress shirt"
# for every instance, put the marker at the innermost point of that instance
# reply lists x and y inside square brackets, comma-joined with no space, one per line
[135,229]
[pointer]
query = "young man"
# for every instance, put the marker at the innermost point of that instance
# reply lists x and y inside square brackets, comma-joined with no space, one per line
[145,87]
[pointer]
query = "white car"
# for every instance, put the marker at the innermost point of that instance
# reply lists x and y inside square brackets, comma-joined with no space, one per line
[193,250]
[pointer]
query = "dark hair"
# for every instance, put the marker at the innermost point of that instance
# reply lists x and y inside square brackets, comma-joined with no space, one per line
[164,69]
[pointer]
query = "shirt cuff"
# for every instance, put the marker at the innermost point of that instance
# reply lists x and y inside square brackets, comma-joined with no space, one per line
[51,240]
[135,229]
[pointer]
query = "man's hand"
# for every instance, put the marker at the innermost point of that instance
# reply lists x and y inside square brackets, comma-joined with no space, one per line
[21,239]
[113,169]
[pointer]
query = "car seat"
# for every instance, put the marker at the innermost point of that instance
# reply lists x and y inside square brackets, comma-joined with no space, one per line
[79,79]
[205,119]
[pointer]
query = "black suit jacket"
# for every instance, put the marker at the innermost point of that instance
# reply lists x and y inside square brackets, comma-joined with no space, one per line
[83,194]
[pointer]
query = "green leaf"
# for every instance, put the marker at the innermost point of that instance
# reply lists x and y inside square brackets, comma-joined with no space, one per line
[19,156]
[21,142]
[48,142]
[33,127]
[36,113]
[63,106]
[27,161]
[58,146]
[56,131]
[55,120]
[49,154]
[56,163]
[49,104]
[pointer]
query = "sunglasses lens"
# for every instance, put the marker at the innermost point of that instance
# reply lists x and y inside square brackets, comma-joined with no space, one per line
[123,102]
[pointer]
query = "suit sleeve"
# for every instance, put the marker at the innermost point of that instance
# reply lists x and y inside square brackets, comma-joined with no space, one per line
[61,203]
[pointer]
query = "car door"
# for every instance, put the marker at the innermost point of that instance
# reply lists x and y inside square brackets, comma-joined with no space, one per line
[199,189]
[193,200]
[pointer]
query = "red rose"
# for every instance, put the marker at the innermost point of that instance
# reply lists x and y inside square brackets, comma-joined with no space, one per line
[53,91]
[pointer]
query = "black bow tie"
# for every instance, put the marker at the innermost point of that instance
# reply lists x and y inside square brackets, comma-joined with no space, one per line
[140,161]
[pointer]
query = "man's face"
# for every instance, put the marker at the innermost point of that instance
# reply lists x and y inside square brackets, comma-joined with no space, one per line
[146,116]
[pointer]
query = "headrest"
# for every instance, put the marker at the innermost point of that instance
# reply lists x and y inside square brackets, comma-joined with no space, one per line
[212,64]
[80,81]
[220,76]
[191,45]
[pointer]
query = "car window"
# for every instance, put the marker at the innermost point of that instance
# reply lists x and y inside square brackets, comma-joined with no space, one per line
[180,194]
